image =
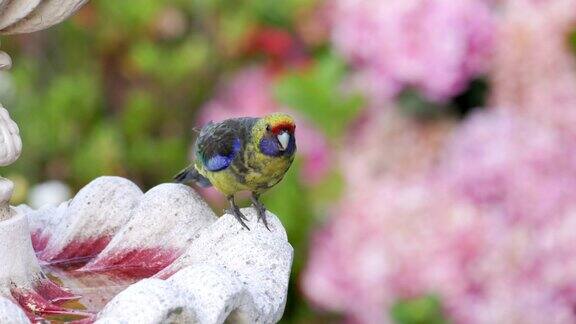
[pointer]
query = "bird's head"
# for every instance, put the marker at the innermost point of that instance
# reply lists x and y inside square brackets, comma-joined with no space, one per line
[275,135]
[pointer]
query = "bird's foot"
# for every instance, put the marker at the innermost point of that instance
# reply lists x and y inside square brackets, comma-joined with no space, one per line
[238,215]
[241,215]
[261,210]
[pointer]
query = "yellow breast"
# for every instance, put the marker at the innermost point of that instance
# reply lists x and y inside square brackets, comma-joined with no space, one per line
[264,171]
[258,173]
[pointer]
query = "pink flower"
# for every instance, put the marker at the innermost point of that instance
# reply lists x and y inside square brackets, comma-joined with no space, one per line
[488,224]
[386,143]
[490,230]
[534,68]
[392,240]
[511,166]
[249,93]
[525,274]
[436,46]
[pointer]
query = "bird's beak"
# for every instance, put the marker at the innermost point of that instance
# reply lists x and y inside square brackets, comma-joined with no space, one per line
[283,139]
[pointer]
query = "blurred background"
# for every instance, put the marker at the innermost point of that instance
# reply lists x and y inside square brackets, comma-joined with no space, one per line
[436,175]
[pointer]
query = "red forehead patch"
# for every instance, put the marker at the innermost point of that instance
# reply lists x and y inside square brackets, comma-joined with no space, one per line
[283,126]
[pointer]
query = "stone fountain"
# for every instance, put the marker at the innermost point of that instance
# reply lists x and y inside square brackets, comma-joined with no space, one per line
[114,254]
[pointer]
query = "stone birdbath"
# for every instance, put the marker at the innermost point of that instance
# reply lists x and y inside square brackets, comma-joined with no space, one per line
[114,254]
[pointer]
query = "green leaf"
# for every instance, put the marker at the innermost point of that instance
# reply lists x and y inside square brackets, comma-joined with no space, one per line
[317,93]
[139,114]
[127,15]
[170,64]
[329,189]
[572,40]
[414,105]
[290,200]
[280,12]
[420,310]
[101,153]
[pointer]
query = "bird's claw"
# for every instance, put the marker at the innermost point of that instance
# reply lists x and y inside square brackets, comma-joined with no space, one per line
[242,215]
[234,211]
[261,210]
[239,216]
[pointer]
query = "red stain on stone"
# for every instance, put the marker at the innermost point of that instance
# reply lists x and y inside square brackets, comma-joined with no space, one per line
[37,307]
[78,251]
[141,263]
[166,273]
[39,240]
[53,292]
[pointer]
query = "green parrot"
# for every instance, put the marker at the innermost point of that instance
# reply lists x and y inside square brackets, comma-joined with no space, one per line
[243,154]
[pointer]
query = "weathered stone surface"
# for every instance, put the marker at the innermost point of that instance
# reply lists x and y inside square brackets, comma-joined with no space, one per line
[10,313]
[6,189]
[10,142]
[259,258]
[149,301]
[42,222]
[214,293]
[26,16]
[20,274]
[18,262]
[16,10]
[5,61]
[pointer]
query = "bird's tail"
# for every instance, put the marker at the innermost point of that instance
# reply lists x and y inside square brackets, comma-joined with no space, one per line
[191,175]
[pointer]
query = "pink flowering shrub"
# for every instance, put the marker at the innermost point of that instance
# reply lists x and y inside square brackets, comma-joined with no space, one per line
[488,222]
[490,231]
[385,143]
[435,46]
[512,167]
[380,248]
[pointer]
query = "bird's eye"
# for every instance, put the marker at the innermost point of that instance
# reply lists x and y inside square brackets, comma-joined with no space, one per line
[268,127]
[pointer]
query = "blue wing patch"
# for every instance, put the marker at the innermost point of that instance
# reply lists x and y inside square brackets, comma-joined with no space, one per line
[220,162]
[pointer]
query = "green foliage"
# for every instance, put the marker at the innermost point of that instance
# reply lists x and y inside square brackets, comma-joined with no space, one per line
[126,15]
[290,199]
[100,153]
[420,310]
[572,40]
[475,97]
[279,12]
[169,65]
[328,190]
[139,114]
[413,104]
[317,93]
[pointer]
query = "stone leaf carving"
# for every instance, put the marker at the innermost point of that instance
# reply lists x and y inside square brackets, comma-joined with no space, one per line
[165,221]
[91,219]
[11,313]
[21,278]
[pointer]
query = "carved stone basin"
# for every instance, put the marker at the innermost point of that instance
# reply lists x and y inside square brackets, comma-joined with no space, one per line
[113,254]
